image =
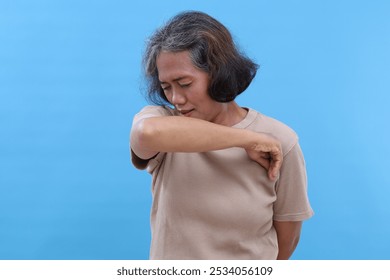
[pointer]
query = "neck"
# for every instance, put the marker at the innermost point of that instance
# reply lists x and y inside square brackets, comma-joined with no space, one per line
[230,114]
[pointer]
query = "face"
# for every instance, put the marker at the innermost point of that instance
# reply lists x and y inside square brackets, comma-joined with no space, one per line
[186,87]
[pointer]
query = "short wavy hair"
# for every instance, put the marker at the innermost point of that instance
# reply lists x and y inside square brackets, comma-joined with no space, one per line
[212,49]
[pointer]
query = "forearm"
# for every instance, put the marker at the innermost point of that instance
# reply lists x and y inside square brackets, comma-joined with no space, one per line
[180,134]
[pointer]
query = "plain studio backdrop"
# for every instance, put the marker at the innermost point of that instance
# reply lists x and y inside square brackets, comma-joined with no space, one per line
[71,81]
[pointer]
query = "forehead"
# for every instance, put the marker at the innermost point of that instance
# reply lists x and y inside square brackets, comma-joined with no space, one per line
[173,65]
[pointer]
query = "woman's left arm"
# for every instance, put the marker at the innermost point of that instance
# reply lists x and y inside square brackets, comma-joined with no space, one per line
[288,237]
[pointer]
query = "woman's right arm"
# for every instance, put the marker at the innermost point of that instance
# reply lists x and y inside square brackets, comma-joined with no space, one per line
[150,136]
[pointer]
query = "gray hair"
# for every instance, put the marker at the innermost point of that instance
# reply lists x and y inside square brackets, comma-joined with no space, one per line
[211,49]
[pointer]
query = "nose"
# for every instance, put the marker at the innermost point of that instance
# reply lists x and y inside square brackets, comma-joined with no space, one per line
[178,97]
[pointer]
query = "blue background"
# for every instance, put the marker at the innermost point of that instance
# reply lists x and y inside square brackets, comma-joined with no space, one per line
[71,81]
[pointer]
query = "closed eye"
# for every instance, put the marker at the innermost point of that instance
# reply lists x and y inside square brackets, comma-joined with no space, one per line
[185,85]
[166,88]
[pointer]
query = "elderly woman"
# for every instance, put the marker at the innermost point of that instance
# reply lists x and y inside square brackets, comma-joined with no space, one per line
[219,191]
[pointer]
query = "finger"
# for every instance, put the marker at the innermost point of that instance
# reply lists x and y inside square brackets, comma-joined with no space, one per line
[275,165]
[273,173]
[265,155]
[264,162]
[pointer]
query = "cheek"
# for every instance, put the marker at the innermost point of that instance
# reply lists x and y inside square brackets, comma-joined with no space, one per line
[200,93]
[167,96]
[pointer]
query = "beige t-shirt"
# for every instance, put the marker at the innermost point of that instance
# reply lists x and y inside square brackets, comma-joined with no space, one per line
[221,204]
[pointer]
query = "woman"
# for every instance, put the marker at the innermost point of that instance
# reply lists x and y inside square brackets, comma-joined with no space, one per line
[219,191]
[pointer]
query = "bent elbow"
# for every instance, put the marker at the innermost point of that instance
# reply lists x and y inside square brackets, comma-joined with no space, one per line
[142,134]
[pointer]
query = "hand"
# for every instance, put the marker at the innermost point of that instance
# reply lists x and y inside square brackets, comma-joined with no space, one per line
[268,153]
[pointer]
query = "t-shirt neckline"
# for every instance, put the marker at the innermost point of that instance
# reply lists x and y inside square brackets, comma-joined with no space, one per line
[249,118]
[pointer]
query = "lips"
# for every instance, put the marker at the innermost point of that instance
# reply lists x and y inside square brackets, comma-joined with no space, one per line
[185,112]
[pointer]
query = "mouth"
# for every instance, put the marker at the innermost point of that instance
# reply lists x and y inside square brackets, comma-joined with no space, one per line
[186,113]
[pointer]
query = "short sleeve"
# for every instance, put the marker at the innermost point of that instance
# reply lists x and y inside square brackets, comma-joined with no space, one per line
[292,203]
